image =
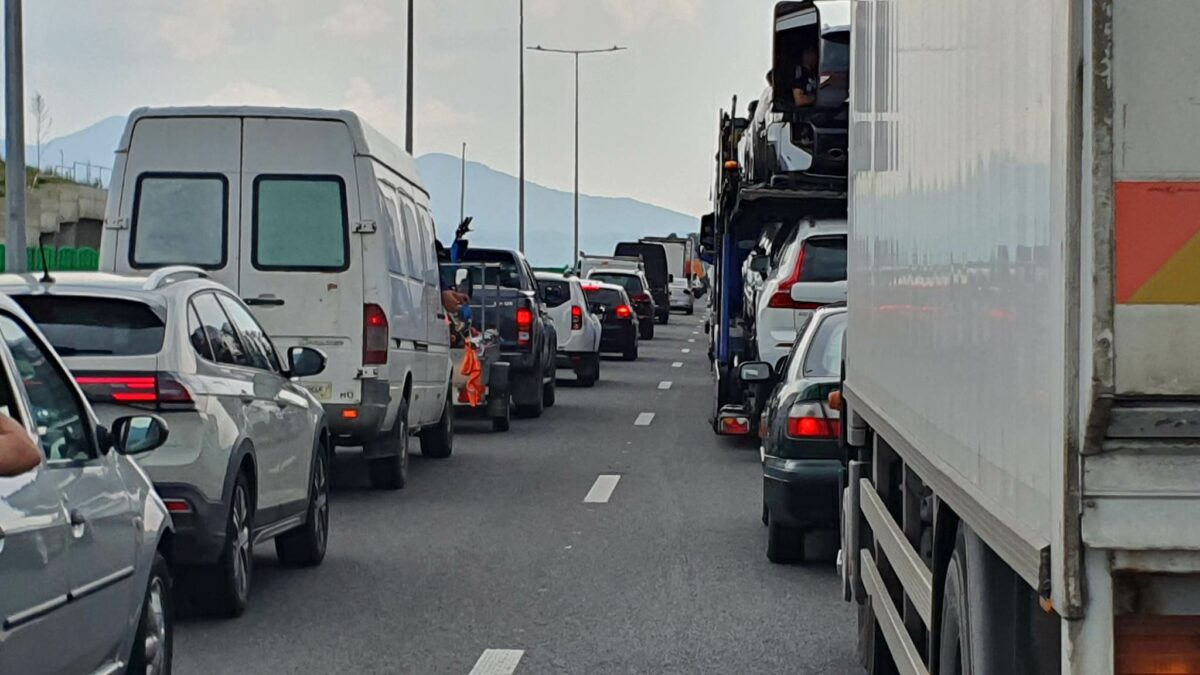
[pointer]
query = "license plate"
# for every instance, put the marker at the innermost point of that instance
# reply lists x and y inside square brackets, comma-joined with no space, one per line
[323,391]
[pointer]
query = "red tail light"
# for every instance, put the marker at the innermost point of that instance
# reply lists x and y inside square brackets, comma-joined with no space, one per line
[813,427]
[177,505]
[153,390]
[576,317]
[623,311]
[524,325]
[641,297]
[375,336]
[782,299]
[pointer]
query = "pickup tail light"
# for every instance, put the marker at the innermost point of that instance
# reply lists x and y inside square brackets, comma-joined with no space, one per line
[808,421]
[158,391]
[524,326]
[623,312]
[576,317]
[1147,644]
[375,336]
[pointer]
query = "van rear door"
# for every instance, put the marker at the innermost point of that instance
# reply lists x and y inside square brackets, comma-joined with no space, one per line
[301,263]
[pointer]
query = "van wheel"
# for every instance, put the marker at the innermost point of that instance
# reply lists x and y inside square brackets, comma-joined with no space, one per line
[954,653]
[438,442]
[391,471]
[305,546]
[549,391]
[152,645]
[224,590]
[785,545]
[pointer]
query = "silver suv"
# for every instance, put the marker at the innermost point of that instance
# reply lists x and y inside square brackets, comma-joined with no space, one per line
[84,540]
[249,452]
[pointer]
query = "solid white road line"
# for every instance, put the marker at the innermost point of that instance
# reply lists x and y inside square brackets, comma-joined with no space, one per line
[601,490]
[644,419]
[664,385]
[677,364]
[498,662]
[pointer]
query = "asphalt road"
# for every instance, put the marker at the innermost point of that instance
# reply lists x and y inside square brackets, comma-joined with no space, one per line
[497,549]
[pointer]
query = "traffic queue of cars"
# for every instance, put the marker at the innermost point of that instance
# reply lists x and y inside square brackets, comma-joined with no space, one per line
[271,288]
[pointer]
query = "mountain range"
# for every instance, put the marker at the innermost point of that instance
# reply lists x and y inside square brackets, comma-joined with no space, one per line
[491,199]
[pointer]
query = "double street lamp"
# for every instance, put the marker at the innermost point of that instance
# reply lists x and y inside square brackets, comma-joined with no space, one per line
[576,53]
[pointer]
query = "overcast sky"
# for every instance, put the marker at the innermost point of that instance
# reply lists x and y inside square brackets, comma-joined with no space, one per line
[648,114]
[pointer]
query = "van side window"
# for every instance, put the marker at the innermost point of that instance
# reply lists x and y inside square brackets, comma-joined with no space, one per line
[387,195]
[429,247]
[412,238]
[179,219]
[300,223]
[226,345]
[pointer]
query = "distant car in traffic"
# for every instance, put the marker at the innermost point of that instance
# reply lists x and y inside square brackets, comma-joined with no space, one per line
[638,288]
[84,538]
[578,329]
[249,453]
[619,323]
[657,273]
[802,462]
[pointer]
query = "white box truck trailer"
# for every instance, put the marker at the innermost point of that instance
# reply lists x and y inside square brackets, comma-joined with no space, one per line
[1022,368]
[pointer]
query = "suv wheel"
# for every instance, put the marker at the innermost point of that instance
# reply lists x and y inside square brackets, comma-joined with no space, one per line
[391,471]
[152,645]
[305,546]
[438,441]
[591,371]
[225,589]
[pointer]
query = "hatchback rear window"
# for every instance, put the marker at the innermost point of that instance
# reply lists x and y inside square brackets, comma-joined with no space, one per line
[604,297]
[300,223]
[824,259]
[630,283]
[179,219]
[82,326]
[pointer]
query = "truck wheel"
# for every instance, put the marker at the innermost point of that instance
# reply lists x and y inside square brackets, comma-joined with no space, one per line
[438,441]
[305,546]
[873,653]
[533,409]
[785,545]
[954,653]
[391,471]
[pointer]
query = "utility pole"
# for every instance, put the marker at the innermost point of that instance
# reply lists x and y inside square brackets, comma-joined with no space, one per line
[577,53]
[408,128]
[14,127]
[521,161]
[462,187]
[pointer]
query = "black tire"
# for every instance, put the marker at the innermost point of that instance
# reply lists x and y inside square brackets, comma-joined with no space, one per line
[502,423]
[305,546]
[550,392]
[534,409]
[646,330]
[764,515]
[631,352]
[785,545]
[690,311]
[154,644]
[437,442]
[224,589]
[591,372]
[664,317]
[954,654]
[390,472]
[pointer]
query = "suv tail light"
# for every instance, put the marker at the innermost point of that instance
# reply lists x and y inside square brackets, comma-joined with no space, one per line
[161,391]
[576,317]
[524,326]
[812,421]
[375,336]
[623,312]
[641,297]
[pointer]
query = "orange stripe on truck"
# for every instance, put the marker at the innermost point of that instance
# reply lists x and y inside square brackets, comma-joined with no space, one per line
[1158,242]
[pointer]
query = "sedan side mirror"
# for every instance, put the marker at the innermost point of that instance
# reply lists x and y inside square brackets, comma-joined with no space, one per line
[754,371]
[138,434]
[305,362]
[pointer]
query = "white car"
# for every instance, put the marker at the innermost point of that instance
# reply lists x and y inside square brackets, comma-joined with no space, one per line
[577,327]
[810,273]
[682,296]
[323,227]
[248,455]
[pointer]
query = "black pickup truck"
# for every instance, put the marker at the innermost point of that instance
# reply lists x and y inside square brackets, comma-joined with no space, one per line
[505,297]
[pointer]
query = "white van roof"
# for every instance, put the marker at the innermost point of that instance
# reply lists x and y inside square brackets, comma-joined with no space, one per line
[367,141]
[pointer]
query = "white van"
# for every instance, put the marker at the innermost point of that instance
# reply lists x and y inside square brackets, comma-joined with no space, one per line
[323,227]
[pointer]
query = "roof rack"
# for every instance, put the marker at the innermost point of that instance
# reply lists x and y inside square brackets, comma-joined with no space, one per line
[169,275]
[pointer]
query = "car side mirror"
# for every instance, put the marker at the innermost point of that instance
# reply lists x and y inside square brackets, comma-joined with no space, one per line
[138,434]
[305,362]
[754,371]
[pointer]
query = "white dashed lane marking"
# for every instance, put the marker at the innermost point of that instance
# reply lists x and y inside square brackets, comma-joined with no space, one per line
[685,350]
[498,662]
[677,364]
[644,419]
[664,385]
[601,491]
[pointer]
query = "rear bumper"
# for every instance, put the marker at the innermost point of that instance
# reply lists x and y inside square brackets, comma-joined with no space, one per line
[355,424]
[803,493]
[200,532]
[618,338]
[572,359]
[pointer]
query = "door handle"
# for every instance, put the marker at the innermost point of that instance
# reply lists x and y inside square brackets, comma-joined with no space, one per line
[264,302]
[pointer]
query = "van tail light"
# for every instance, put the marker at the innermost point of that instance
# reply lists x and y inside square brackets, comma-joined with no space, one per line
[1147,644]
[576,317]
[623,312]
[524,326]
[808,421]
[157,391]
[375,336]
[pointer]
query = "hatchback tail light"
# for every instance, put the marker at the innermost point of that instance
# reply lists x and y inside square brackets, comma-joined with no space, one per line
[162,391]
[375,336]
[641,297]
[807,421]
[623,312]
[524,326]
[576,317]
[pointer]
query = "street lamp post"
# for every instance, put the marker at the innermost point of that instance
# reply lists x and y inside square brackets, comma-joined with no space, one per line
[14,93]
[408,121]
[521,134]
[576,53]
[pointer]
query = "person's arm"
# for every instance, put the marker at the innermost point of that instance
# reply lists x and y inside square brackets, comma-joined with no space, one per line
[18,452]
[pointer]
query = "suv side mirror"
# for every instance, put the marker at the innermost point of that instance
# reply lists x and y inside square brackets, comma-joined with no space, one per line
[305,361]
[138,434]
[754,371]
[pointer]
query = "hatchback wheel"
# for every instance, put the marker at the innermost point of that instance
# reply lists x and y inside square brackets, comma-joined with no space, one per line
[390,472]
[305,546]
[152,646]
[224,590]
